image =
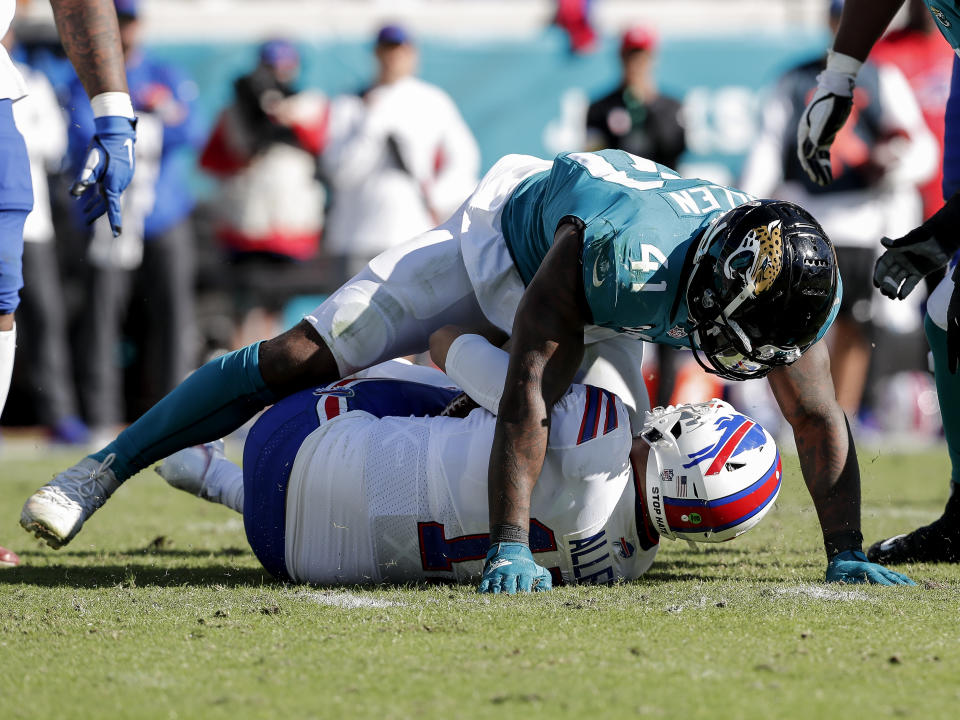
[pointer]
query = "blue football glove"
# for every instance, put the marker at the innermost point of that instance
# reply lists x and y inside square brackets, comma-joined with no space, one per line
[510,568]
[852,566]
[108,169]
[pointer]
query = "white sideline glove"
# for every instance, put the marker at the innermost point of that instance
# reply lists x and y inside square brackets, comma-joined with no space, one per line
[825,114]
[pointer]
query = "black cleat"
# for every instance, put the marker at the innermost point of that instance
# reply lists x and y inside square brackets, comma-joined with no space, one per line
[938,542]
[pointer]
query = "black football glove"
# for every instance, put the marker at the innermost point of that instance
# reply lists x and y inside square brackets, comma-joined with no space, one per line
[921,251]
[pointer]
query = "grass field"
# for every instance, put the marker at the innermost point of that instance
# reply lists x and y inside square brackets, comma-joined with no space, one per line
[158,610]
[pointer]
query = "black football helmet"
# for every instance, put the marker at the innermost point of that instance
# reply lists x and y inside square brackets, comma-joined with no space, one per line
[763,288]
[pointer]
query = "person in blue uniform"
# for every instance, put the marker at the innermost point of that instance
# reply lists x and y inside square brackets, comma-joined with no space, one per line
[907,260]
[578,259]
[150,266]
[89,33]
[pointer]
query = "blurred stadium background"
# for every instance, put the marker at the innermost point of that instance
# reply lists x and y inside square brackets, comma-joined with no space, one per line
[523,84]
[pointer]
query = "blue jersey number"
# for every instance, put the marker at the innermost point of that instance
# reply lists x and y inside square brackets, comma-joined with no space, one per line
[438,552]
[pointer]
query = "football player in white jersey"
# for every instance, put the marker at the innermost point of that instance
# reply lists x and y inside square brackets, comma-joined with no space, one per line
[91,38]
[363,480]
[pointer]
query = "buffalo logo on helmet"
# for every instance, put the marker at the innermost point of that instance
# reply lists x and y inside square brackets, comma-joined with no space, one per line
[759,258]
[737,434]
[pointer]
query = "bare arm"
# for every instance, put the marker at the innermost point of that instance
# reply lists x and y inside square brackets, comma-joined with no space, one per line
[546,351]
[91,37]
[828,458]
[861,25]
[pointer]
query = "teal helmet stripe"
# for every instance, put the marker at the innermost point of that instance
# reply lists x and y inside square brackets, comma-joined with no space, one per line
[833,311]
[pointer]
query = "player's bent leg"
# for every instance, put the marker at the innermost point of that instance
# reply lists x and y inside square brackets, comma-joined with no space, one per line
[204,471]
[212,402]
[940,540]
[389,309]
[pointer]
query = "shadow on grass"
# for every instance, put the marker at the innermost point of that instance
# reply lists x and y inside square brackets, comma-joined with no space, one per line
[135,575]
[726,566]
[113,555]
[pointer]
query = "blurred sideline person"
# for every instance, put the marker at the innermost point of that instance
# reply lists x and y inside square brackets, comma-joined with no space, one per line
[149,267]
[351,483]
[918,51]
[88,30]
[638,118]
[878,160]
[907,260]
[43,350]
[269,210]
[748,285]
[399,159]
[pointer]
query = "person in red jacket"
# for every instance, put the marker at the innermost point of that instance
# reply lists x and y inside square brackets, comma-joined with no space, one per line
[264,151]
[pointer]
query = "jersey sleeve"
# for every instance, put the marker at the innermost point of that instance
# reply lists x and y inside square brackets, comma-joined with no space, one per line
[479,369]
[590,431]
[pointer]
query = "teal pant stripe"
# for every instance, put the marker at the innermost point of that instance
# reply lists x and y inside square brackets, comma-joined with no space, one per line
[948,389]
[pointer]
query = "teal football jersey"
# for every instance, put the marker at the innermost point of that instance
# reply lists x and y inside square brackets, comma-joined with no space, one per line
[640,219]
[947,15]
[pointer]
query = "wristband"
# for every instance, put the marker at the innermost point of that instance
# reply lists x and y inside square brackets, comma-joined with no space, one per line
[839,542]
[840,63]
[504,532]
[112,103]
[840,75]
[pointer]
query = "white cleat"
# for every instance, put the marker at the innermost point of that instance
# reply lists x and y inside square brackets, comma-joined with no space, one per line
[187,469]
[57,511]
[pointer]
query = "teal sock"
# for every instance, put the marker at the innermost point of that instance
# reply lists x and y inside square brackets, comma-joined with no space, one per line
[213,401]
[948,390]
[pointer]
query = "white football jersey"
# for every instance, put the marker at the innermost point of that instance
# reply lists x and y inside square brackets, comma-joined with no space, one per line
[11,82]
[405,498]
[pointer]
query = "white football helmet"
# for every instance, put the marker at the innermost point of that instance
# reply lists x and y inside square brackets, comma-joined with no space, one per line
[712,473]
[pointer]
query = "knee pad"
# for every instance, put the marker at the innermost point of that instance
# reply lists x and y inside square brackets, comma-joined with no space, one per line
[355,324]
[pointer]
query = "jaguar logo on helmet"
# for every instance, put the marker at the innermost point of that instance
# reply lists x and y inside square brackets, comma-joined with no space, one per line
[940,15]
[759,259]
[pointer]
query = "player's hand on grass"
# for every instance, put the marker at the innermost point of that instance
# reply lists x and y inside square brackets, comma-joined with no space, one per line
[107,170]
[510,568]
[907,261]
[852,566]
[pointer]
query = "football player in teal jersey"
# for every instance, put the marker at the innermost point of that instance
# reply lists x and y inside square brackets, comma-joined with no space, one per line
[907,260]
[579,259]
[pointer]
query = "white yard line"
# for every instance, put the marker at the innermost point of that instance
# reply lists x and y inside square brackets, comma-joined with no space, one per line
[346,599]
